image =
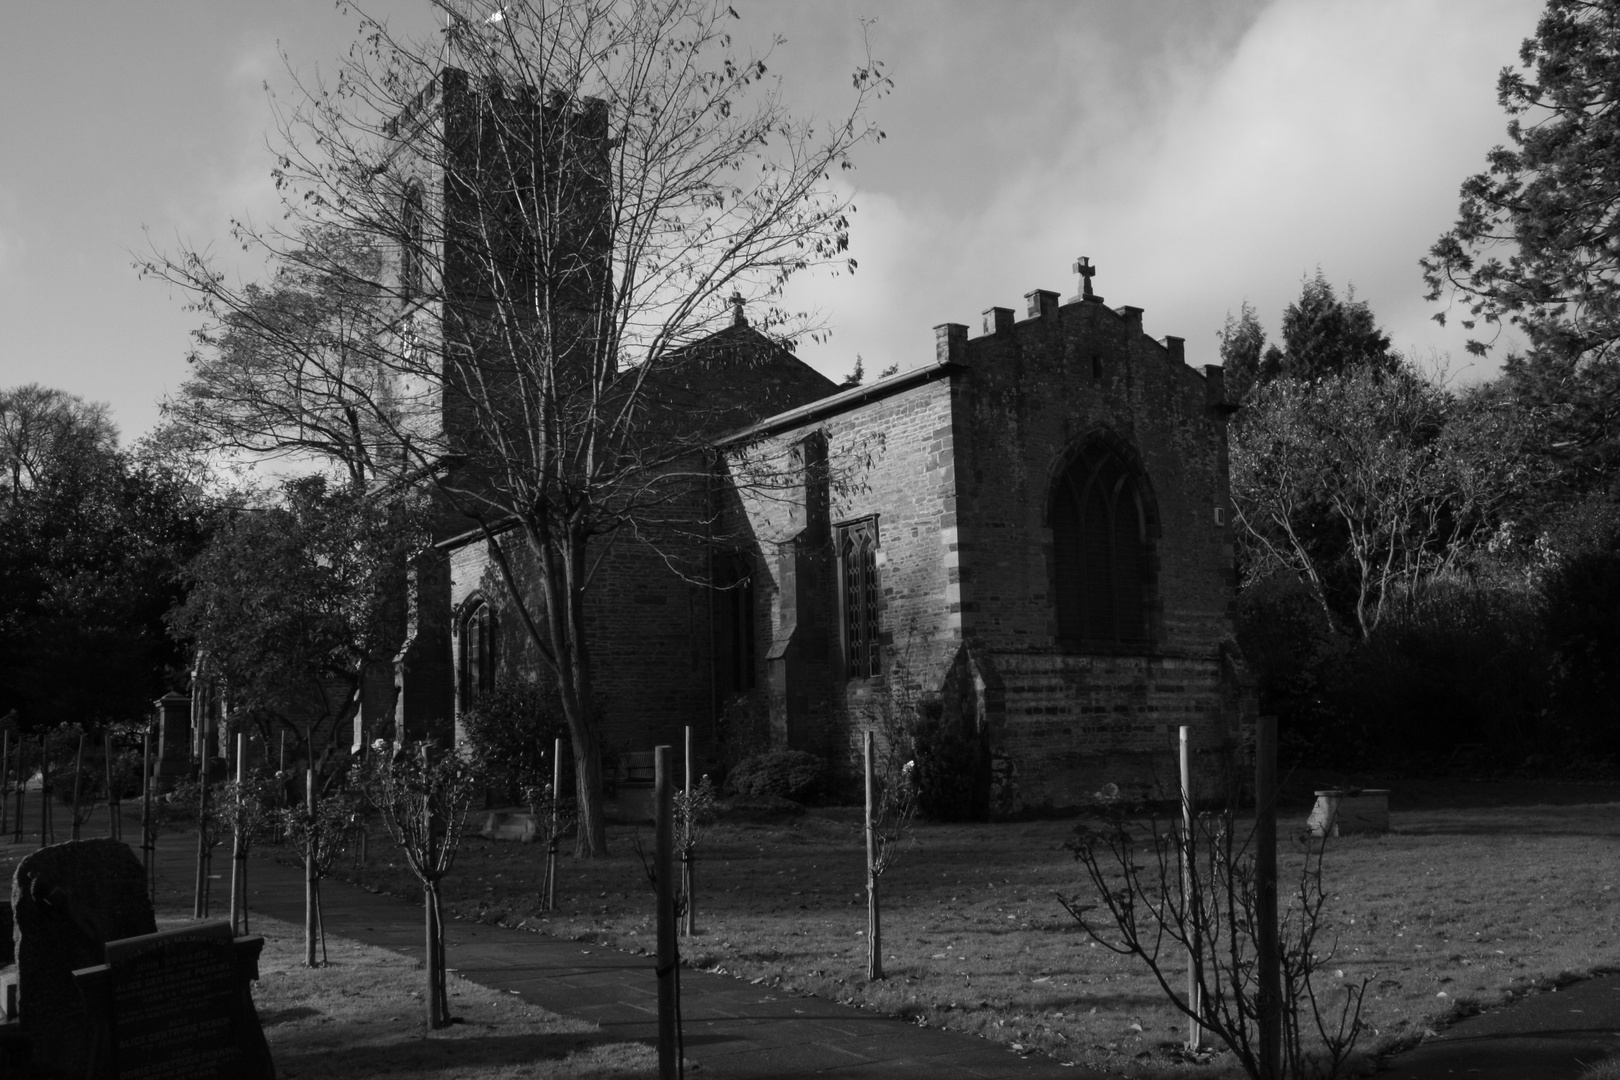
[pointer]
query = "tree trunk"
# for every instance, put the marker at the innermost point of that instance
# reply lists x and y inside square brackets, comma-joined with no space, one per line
[874,931]
[688,883]
[563,647]
[590,836]
[438,1006]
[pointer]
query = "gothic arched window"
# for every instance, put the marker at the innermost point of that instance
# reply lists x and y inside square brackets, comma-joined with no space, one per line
[858,587]
[1100,551]
[477,654]
[411,215]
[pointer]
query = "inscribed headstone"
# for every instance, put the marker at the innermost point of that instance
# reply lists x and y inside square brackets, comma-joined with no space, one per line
[69,900]
[175,1005]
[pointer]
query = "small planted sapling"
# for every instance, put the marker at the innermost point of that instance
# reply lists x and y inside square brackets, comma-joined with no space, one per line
[552,818]
[247,806]
[891,803]
[1165,893]
[694,808]
[317,829]
[423,794]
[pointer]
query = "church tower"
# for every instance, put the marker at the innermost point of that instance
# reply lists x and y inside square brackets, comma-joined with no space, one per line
[504,252]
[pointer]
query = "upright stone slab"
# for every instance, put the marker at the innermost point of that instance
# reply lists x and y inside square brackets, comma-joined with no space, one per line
[176,1005]
[69,900]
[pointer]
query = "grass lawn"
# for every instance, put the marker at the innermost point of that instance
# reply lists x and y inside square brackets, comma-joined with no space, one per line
[361,1016]
[1452,911]
[1467,903]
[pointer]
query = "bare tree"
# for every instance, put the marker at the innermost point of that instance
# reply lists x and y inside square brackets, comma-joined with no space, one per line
[1161,894]
[500,249]
[1360,485]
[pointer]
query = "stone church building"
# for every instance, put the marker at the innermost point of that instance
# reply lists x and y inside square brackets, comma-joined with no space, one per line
[1030,530]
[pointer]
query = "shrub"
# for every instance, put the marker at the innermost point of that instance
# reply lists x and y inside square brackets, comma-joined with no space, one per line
[787,774]
[951,771]
[1582,618]
[511,730]
[1296,656]
[1462,662]
[744,731]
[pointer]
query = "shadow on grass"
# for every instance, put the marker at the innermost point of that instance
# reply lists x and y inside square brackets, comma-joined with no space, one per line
[271,1017]
[600,1057]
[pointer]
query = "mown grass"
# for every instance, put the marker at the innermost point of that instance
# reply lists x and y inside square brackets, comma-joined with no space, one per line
[1453,911]
[361,1015]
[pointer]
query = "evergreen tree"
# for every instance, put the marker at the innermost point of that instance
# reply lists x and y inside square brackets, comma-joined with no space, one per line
[1533,244]
[1323,335]
[1243,352]
[1533,247]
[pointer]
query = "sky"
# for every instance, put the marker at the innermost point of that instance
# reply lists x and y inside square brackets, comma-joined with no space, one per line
[1202,153]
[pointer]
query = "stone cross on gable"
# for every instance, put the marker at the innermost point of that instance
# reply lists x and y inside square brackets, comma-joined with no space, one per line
[1086,271]
[737,316]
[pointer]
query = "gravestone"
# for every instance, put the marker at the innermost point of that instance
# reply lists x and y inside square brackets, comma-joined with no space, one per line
[69,900]
[176,1005]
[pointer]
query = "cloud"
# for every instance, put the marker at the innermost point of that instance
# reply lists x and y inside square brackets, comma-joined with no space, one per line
[1327,134]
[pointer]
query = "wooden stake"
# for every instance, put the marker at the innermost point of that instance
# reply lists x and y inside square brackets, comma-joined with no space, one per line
[664,868]
[44,791]
[874,927]
[5,780]
[309,874]
[115,818]
[689,916]
[199,903]
[1268,974]
[556,825]
[147,846]
[238,854]
[1189,895]
[78,784]
[22,786]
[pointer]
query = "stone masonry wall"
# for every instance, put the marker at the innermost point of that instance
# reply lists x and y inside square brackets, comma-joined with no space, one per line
[892,458]
[1035,390]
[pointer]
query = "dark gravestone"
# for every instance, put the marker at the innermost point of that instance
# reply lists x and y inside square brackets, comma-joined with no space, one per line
[69,900]
[176,1006]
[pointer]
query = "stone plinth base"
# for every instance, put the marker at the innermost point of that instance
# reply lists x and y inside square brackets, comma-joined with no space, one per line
[1347,812]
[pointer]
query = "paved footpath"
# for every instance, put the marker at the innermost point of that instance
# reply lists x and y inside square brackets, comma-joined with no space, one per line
[733,1029]
[1545,1036]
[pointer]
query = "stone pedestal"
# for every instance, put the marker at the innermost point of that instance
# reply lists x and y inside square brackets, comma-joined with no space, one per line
[1348,811]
